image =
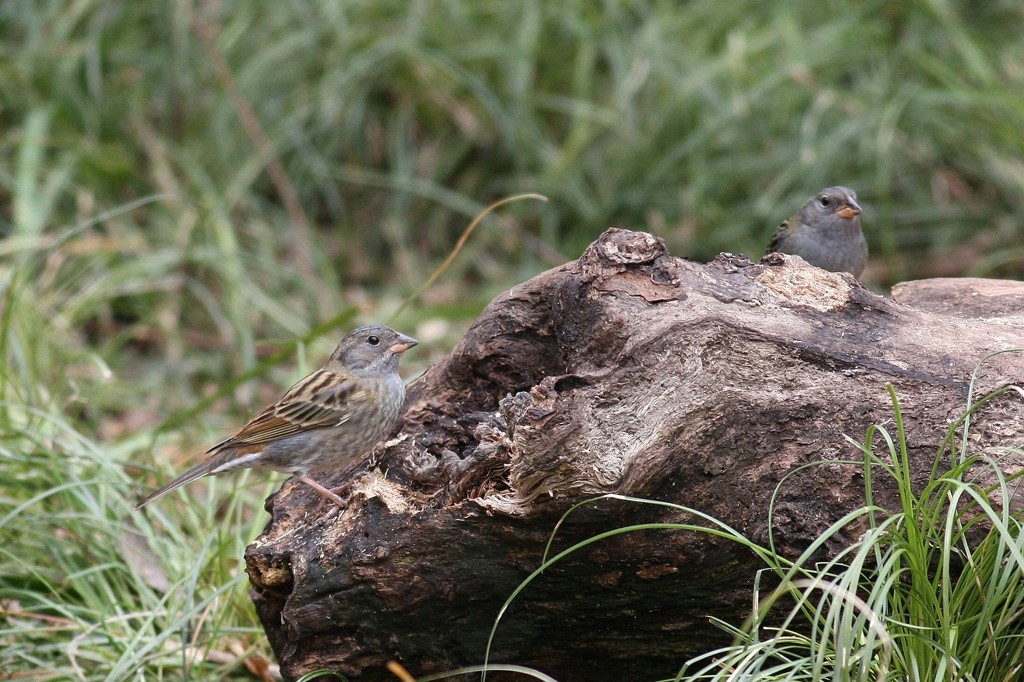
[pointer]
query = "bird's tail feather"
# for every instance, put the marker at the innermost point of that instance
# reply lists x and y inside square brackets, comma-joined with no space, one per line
[192,474]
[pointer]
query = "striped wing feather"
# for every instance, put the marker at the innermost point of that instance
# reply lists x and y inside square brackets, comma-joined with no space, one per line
[776,241]
[321,399]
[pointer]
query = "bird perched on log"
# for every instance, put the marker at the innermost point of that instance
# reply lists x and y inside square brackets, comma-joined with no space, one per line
[825,232]
[328,420]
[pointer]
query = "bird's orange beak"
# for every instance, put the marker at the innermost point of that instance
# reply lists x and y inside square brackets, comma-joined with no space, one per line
[850,210]
[402,344]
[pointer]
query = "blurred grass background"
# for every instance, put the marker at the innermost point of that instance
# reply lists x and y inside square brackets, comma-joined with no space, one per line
[196,193]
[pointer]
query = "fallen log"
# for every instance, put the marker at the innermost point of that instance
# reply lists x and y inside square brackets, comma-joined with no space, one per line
[627,371]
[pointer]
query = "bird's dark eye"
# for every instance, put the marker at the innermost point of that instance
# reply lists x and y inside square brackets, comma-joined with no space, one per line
[373,340]
[824,201]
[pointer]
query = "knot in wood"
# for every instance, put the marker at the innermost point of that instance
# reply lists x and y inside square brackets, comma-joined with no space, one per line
[625,247]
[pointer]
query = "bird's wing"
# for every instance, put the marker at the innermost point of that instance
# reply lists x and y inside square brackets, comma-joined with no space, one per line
[776,241]
[321,399]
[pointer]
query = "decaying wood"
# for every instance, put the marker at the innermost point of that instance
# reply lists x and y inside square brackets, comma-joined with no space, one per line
[998,300]
[634,372]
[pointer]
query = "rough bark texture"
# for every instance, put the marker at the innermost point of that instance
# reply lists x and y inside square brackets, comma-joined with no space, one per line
[634,372]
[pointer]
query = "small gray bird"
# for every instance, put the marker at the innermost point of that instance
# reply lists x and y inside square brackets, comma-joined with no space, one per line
[329,419]
[826,232]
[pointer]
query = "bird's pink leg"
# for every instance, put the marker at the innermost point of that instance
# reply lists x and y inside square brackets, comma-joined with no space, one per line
[324,492]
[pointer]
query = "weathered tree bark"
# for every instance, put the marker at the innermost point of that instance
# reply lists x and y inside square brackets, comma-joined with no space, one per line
[633,372]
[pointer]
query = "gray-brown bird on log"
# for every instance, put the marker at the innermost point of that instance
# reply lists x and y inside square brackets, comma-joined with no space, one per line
[825,232]
[328,420]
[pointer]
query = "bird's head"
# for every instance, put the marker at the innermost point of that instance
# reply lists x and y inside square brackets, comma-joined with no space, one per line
[837,201]
[370,349]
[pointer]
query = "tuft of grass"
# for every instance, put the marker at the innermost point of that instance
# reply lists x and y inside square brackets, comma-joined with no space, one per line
[91,590]
[933,590]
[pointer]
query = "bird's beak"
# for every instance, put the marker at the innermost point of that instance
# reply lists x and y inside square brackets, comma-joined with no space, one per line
[850,210]
[402,344]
